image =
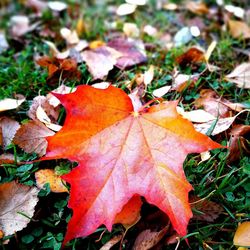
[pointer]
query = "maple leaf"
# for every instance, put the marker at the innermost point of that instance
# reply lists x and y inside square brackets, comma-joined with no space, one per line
[121,153]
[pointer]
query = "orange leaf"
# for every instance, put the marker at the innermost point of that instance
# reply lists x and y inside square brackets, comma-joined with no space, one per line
[242,235]
[122,152]
[130,212]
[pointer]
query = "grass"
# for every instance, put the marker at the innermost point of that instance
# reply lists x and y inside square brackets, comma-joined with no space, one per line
[215,179]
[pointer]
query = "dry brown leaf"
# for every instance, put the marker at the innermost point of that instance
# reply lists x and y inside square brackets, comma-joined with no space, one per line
[7,159]
[111,242]
[57,185]
[242,235]
[148,239]
[43,101]
[100,61]
[8,130]
[212,103]
[220,126]
[8,103]
[161,91]
[199,115]
[193,55]
[133,52]
[239,29]
[80,26]
[198,8]
[17,204]
[149,75]
[208,210]
[182,81]
[240,75]
[70,36]
[239,142]
[31,137]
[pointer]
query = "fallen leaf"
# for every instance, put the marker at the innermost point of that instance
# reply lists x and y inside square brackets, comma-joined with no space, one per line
[57,6]
[31,137]
[217,126]
[150,30]
[43,176]
[148,239]
[235,10]
[80,26]
[43,102]
[149,75]
[193,55]
[8,130]
[7,158]
[125,9]
[239,142]
[242,234]
[131,30]
[70,36]
[17,205]
[212,103]
[59,68]
[161,91]
[239,29]
[183,36]
[100,61]
[183,81]
[205,210]
[8,103]
[43,117]
[198,115]
[240,75]
[122,152]
[133,52]
[130,212]
[111,242]
[198,8]
[19,25]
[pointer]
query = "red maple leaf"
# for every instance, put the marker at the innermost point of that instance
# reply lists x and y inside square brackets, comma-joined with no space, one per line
[122,152]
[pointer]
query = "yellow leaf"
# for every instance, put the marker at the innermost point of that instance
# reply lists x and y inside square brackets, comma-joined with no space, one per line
[242,235]
[43,176]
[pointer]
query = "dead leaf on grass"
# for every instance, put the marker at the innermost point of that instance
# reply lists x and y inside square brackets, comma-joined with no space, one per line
[161,91]
[130,212]
[100,61]
[239,142]
[8,130]
[198,8]
[212,103]
[125,9]
[133,52]
[17,204]
[57,185]
[7,159]
[240,75]
[242,234]
[182,81]
[111,242]
[31,137]
[193,55]
[43,102]
[205,210]
[239,29]
[148,239]
[9,103]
